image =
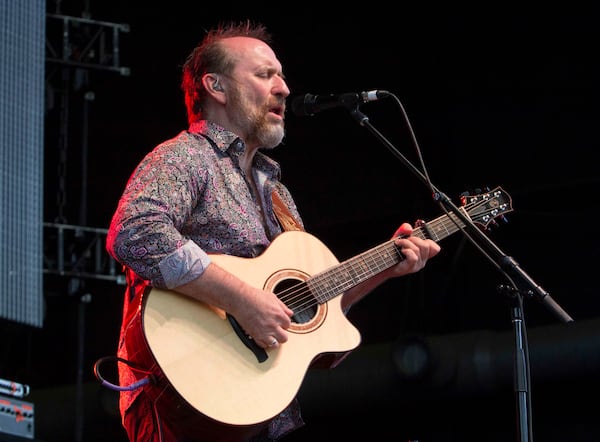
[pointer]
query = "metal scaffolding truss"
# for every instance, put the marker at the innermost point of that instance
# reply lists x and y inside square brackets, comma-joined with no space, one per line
[79,44]
[78,252]
[84,43]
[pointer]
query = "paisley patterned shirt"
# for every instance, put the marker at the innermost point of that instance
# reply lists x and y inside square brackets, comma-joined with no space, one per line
[189,198]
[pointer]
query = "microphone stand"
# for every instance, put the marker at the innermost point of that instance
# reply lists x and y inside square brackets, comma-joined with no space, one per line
[504,263]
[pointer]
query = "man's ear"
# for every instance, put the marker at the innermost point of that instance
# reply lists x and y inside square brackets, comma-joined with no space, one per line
[217,86]
[212,85]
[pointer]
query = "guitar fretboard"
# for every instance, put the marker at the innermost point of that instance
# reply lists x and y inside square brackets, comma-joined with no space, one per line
[332,282]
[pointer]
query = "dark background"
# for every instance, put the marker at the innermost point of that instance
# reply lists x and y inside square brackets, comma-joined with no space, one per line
[496,97]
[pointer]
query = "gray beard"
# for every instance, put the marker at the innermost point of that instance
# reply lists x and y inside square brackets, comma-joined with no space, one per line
[267,136]
[272,137]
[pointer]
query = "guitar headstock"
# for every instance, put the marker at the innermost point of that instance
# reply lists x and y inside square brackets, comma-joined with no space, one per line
[484,208]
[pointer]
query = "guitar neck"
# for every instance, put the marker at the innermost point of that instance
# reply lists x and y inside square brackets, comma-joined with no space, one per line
[335,281]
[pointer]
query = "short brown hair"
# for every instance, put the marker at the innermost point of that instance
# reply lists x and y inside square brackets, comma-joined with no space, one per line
[210,56]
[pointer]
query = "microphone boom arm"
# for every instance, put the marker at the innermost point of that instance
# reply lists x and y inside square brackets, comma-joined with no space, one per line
[502,260]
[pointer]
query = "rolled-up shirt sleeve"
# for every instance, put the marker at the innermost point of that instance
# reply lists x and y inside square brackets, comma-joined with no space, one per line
[147,232]
[184,265]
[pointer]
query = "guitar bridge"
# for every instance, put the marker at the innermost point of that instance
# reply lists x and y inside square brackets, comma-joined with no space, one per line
[259,352]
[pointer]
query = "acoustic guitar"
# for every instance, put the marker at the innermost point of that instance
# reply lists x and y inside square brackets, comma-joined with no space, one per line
[220,372]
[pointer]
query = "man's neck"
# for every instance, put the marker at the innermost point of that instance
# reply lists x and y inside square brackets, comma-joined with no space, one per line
[246,159]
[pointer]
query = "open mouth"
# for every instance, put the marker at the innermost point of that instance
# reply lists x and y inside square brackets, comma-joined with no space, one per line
[277,110]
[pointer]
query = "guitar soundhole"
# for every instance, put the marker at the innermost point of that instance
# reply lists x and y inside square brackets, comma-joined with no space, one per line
[296,295]
[291,287]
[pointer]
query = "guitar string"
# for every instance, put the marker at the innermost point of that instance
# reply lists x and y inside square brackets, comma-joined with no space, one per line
[319,283]
[304,288]
[323,290]
[301,297]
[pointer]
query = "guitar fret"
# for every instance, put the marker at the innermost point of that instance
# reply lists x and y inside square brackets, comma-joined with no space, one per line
[441,227]
[332,282]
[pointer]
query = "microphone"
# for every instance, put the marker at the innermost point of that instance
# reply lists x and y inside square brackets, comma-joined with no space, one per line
[309,104]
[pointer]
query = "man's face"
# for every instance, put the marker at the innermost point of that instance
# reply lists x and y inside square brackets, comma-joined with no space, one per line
[256,93]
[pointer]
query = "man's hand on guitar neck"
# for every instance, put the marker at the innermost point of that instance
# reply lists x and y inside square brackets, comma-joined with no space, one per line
[416,252]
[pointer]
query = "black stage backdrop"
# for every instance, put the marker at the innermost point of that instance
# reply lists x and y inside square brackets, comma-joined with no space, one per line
[496,97]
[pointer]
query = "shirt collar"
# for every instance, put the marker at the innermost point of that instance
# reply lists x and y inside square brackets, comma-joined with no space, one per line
[222,137]
[225,139]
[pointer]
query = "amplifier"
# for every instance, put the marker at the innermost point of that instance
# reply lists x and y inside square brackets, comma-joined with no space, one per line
[16,417]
